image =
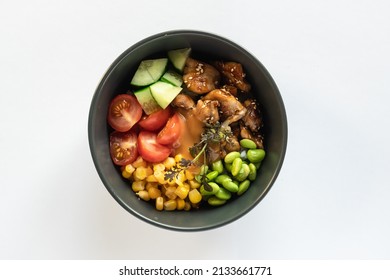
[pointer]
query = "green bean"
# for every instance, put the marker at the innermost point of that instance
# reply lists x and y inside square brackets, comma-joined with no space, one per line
[212,175]
[236,166]
[214,186]
[223,193]
[243,173]
[248,144]
[252,172]
[243,187]
[215,201]
[230,186]
[217,166]
[255,155]
[231,156]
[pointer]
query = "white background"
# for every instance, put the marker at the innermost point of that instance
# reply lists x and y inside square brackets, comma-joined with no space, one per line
[331,62]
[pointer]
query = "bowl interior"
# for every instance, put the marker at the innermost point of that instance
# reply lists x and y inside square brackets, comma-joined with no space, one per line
[117,80]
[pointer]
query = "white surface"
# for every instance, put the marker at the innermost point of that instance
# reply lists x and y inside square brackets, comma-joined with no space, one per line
[331,62]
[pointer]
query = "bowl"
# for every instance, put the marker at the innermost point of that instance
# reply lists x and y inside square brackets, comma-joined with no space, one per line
[116,80]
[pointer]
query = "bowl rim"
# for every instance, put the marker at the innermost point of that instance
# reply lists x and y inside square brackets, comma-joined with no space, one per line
[272,84]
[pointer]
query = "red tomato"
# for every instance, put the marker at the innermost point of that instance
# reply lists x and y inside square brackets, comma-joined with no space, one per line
[171,132]
[157,120]
[123,147]
[149,149]
[124,112]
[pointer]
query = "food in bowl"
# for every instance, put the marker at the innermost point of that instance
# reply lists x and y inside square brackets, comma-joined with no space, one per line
[188,133]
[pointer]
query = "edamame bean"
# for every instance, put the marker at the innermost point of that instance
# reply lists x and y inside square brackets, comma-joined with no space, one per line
[228,167]
[243,173]
[231,156]
[230,186]
[243,187]
[252,172]
[248,144]
[236,166]
[223,178]
[255,155]
[212,175]
[215,201]
[223,193]
[214,186]
[217,166]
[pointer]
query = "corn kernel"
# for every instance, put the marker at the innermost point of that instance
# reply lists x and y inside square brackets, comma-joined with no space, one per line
[170,205]
[189,175]
[194,184]
[182,192]
[159,175]
[169,162]
[170,192]
[139,162]
[158,167]
[187,206]
[140,173]
[194,196]
[178,158]
[154,193]
[159,203]
[151,185]
[180,178]
[129,168]
[151,179]
[144,195]
[138,186]
[126,174]
[180,203]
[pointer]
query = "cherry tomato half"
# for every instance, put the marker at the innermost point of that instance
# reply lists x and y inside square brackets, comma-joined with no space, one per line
[149,149]
[171,132]
[123,147]
[124,112]
[157,120]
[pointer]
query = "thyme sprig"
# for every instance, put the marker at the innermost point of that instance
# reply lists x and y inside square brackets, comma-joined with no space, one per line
[213,133]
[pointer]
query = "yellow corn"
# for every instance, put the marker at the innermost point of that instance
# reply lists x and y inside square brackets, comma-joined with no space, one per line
[170,205]
[169,162]
[178,158]
[159,203]
[126,174]
[182,191]
[138,186]
[170,192]
[180,178]
[151,185]
[187,206]
[130,168]
[140,173]
[151,178]
[189,175]
[159,175]
[139,162]
[158,167]
[180,203]
[154,193]
[194,196]
[144,195]
[194,184]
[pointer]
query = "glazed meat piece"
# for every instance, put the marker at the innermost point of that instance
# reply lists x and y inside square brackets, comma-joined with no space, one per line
[207,111]
[230,108]
[252,118]
[200,77]
[183,101]
[234,74]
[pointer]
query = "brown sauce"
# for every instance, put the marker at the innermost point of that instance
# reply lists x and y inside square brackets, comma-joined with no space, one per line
[190,134]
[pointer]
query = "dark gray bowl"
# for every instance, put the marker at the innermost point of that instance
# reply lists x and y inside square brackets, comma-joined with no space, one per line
[116,80]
